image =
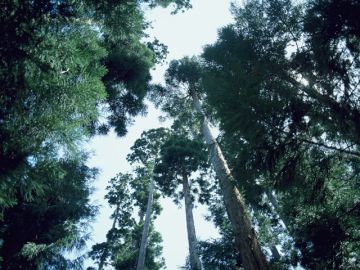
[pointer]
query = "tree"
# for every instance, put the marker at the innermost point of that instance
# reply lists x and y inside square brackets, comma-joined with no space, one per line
[145,151]
[185,75]
[179,158]
[121,249]
[281,83]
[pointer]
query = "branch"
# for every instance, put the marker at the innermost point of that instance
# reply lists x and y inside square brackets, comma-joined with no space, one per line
[342,150]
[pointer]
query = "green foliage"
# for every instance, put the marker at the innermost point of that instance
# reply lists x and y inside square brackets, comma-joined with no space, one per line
[181,156]
[325,212]
[281,82]
[36,230]
[128,194]
[62,64]
[146,149]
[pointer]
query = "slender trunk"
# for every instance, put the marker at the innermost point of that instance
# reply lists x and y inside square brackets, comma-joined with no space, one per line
[106,249]
[195,262]
[275,204]
[245,238]
[144,236]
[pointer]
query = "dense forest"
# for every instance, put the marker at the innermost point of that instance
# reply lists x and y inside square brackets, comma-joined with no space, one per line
[281,181]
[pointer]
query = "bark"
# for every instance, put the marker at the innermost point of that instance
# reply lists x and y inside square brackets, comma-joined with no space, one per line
[195,262]
[245,238]
[144,236]
[106,250]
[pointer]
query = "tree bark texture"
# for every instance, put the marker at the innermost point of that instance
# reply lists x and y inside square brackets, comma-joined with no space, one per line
[144,236]
[195,262]
[245,238]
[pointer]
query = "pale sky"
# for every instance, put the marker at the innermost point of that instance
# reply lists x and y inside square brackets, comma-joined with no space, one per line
[185,34]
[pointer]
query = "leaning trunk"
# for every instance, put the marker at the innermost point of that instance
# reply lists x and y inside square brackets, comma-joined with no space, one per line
[195,262]
[245,238]
[144,236]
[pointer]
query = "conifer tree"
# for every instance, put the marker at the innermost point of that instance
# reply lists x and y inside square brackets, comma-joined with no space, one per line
[145,151]
[183,80]
[179,158]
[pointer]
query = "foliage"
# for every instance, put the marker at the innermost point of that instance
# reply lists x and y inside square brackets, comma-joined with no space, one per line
[63,64]
[35,233]
[178,156]
[283,83]
[127,193]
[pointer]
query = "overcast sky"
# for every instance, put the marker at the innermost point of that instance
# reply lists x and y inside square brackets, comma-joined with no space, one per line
[185,34]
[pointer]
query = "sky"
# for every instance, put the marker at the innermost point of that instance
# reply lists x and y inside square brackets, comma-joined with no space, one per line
[185,34]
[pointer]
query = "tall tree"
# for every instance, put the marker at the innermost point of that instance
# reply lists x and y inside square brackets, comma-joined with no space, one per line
[179,158]
[145,151]
[281,82]
[183,80]
[121,249]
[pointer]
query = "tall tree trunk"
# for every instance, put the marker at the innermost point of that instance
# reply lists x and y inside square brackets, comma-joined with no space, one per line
[245,238]
[195,262]
[106,249]
[144,236]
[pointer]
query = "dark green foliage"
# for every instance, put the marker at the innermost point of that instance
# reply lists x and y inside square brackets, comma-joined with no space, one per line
[178,156]
[283,83]
[35,231]
[325,212]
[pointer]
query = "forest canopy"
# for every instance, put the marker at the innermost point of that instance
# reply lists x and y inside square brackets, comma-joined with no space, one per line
[281,180]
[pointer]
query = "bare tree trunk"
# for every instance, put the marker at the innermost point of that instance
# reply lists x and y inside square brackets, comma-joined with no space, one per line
[144,236]
[195,262]
[245,238]
[106,250]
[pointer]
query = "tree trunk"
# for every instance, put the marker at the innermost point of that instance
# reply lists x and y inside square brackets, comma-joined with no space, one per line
[275,204]
[195,262]
[245,238]
[106,250]
[144,236]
